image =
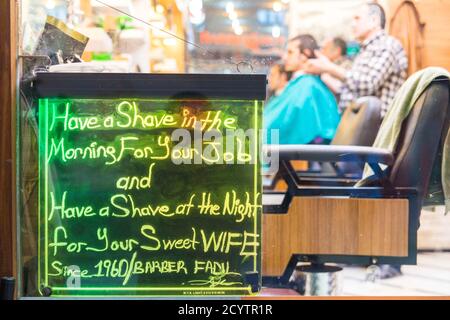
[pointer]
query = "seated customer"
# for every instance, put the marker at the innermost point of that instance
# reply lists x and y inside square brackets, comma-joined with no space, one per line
[306,110]
[278,79]
[335,49]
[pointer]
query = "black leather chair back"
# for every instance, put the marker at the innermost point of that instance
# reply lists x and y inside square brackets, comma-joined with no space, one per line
[421,138]
[359,123]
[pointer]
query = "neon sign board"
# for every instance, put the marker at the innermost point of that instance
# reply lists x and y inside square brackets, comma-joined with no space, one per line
[137,198]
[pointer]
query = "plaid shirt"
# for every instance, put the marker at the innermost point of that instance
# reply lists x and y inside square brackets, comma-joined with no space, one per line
[378,70]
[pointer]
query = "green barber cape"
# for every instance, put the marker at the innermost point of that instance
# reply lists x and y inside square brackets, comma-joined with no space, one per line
[304,111]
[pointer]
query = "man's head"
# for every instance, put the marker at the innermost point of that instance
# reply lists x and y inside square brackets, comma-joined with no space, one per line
[278,77]
[334,49]
[299,50]
[368,19]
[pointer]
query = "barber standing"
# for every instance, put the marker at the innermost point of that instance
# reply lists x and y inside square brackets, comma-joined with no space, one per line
[379,69]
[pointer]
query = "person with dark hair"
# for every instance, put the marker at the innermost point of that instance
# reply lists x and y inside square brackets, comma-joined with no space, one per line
[378,70]
[278,79]
[306,110]
[335,49]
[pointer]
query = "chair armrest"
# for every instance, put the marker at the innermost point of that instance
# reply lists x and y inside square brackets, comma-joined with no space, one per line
[320,175]
[327,181]
[331,153]
[306,178]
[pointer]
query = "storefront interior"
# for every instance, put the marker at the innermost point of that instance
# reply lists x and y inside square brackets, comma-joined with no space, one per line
[308,229]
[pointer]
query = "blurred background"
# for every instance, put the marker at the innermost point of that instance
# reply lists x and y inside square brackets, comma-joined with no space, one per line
[220,33]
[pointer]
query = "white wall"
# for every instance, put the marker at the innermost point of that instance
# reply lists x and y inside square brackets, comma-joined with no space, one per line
[322,18]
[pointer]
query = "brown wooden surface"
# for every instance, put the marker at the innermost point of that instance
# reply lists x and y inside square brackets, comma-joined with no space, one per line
[436,16]
[7,106]
[373,227]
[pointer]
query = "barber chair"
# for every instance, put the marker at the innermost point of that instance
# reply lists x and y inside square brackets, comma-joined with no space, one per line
[358,126]
[368,224]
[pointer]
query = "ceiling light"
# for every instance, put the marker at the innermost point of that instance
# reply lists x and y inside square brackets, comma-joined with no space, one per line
[277,6]
[276,31]
[50,5]
[230,7]
[195,5]
[159,9]
[170,42]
